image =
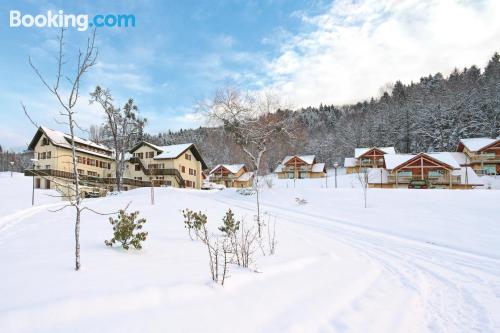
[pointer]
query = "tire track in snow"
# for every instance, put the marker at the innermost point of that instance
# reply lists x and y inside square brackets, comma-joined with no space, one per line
[445,294]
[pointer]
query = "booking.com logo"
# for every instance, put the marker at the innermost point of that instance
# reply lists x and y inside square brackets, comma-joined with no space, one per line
[60,20]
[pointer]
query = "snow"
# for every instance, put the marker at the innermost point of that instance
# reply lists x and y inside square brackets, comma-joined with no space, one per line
[172,151]
[309,159]
[360,151]
[245,177]
[233,168]
[394,160]
[61,139]
[350,162]
[318,167]
[475,144]
[413,261]
[472,178]
[459,157]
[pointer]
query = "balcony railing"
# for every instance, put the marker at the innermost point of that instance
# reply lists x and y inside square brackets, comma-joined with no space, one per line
[85,178]
[432,180]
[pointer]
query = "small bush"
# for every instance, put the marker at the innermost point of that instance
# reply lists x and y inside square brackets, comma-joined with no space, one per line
[123,230]
[229,224]
[194,221]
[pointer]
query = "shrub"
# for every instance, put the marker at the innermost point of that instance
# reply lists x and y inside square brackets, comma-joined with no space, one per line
[194,221]
[230,225]
[123,230]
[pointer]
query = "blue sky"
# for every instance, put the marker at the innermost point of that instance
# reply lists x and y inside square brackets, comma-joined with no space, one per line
[181,51]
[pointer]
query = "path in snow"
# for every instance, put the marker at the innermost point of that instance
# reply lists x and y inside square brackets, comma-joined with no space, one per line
[454,290]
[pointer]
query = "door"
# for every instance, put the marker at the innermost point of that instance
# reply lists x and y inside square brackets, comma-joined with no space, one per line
[37,183]
[47,183]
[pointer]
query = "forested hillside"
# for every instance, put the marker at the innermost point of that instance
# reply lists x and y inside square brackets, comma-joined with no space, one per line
[429,115]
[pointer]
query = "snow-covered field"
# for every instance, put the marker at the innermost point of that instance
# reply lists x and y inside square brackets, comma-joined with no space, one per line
[413,261]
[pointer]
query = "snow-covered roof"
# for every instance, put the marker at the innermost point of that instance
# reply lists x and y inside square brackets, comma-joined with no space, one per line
[172,151]
[62,139]
[475,144]
[447,158]
[309,159]
[350,162]
[279,168]
[472,177]
[245,177]
[360,151]
[233,168]
[318,167]
[394,160]
[459,157]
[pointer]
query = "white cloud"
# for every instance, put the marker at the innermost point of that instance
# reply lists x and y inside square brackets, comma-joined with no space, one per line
[352,50]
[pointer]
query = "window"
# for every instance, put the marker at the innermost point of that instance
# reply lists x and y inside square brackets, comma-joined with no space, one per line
[138,178]
[80,171]
[47,166]
[183,169]
[194,184]
[405,174]
[194,172]
[168,183]
[137,167]
[45,142]
[49,154]
[435,173]
[187,156]
[191,171]
[140,155]
[188,183]
[150,154]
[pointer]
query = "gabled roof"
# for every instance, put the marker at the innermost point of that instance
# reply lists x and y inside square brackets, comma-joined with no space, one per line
[172,151]
[476,144]
[233,168]
[61,139]
[393,161]
[361,151]
[309,159]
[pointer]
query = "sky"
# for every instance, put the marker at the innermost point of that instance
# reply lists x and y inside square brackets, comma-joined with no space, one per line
[180,52]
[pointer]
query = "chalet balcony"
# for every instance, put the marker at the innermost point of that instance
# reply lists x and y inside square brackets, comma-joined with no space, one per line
[485,159]
[433,180]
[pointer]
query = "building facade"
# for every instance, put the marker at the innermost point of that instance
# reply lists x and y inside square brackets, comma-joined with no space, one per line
[300,167]
[231,175]
[149,165]
[175,165]
[367,158]
[481,154]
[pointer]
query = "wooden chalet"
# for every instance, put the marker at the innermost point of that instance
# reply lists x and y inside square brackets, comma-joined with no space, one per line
[441,170]
[231,175]
[481,154]
[300,167]
[367,158]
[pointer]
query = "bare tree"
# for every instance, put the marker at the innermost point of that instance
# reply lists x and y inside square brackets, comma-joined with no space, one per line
[254,121]
[85,60]
[123,127]
[363,176]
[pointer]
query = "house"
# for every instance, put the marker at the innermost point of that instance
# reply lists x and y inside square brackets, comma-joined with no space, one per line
[442,170]
[367,158]
[231,175]
[52,149]
[481,154]
[300,166]
[178,165]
